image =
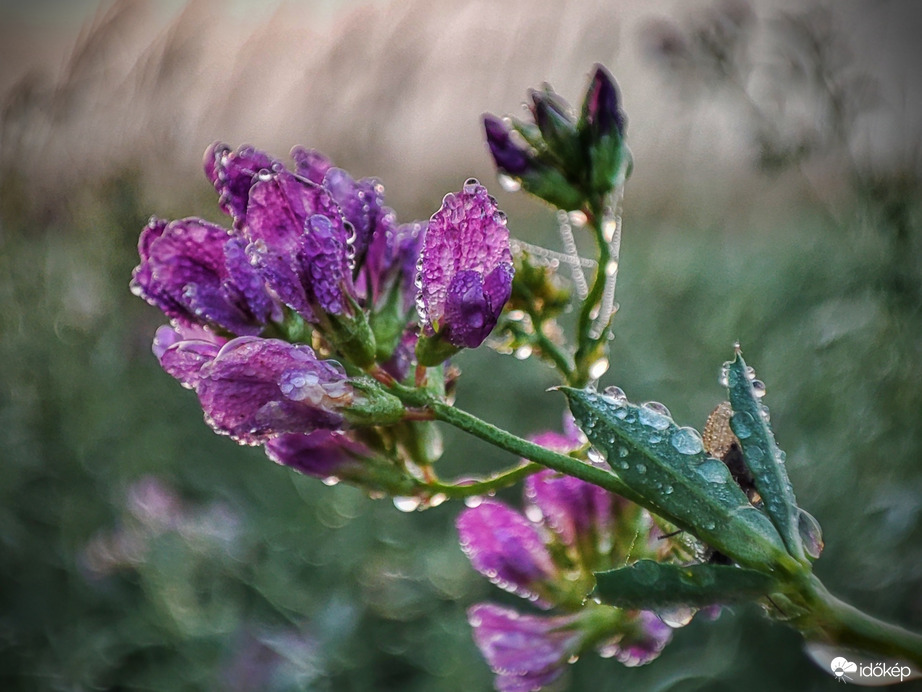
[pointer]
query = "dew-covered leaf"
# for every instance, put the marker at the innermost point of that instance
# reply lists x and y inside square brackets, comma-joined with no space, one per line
[666,467]
[762,456]
[650,585]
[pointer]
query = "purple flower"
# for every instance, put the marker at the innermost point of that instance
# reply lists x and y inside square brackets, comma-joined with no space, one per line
[322,453]
[644,639]
[526,652]
[299,242]
[195,272]
[507,549]
[311,164]
[233,173]
[256,388]
[183,352]
[466,268]
[391,259]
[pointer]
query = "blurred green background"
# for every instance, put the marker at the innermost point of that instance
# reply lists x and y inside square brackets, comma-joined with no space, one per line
[138,551]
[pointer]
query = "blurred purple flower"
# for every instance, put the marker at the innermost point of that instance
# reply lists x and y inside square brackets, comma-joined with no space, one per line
[298,240]
[579,512]
[510,157]
[645,638]
[507,549]
[322,453]
[256,388]
[466,268]
[195,272]
[526,652]
[601,110]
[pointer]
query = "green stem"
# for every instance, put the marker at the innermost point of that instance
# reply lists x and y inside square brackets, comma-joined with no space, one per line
[486,486]
[498,437]
[839,623]
[587,345]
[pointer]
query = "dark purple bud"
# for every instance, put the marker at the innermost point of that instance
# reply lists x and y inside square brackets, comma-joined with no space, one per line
[579,512]
[506,548]
[527,652]
[644,639]
[322,454]
[311,164]
[510,157]
[466,268]
[196,273]
[233,173]
[601,110]
[257,388]
[299,242]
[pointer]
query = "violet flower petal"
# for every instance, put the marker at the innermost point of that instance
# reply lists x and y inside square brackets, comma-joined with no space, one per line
[257,388]
[506,548]
[322,453]
[647,637]
[184,351]
[299,243]
[190,271]
[233,173]
[311,164]
[466,238]
[526,652]
[575,510]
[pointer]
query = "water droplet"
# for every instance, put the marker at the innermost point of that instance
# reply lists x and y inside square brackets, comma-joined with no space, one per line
[758,388]
[667,490]
[407,504]
[750,372]
[508,183]
[473,501]
[611,268]
[640,468]
[654,415]
[723,379]
[623,451]
[687,441]
[330,481]
[677,617]
[616,394]
[577,218]
[436,500]
[742,424]
[264,174]
[599,368]
[713,471]
[522,352]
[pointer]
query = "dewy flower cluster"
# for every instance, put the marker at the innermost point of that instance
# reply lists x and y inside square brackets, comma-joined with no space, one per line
[547,555]
[277,322]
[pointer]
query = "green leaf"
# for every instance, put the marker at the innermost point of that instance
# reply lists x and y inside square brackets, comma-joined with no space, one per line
[763,458]
[650,585]
[667,468]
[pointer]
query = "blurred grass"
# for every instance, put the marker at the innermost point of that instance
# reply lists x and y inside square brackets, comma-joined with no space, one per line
[253,578]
